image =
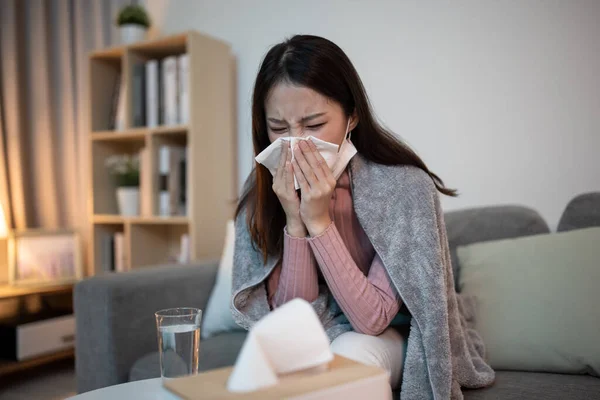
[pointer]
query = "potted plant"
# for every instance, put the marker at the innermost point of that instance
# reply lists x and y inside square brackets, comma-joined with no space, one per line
[133,22]
[125,170]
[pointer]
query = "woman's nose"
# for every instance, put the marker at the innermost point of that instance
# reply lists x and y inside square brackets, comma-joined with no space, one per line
[297,131]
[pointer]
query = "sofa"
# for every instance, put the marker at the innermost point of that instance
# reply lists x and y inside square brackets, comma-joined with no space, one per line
[116,340]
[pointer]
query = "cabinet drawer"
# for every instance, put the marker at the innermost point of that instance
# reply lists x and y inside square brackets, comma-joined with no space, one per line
[42,337]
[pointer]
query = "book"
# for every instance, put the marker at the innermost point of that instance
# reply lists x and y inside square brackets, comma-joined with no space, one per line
[152,93]
[171,182]
[161,95]
[112,118]
[183,196]
[169,92]
[119,252]
[120,116]
[183,83]
[138,95]
[184,251]
[146,177]
[164,200]
[176,159]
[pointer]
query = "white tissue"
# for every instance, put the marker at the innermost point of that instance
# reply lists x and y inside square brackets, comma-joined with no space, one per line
[289,339]
[271,156]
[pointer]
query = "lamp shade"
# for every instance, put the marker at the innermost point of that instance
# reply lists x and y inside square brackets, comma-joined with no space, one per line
[3,226]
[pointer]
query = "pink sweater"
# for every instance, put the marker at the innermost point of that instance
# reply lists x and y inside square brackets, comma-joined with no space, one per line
[345,258]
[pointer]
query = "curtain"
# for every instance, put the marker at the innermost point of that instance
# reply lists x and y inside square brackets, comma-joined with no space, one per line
[44,116]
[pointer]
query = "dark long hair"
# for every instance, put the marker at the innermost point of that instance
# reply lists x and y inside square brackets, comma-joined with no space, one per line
[318,64]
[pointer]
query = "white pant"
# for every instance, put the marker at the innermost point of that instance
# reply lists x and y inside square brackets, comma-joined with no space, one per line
[385,351]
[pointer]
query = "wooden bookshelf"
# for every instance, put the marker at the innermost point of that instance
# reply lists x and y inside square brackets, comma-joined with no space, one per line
[209,137]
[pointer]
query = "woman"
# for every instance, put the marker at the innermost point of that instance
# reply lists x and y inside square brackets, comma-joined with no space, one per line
[349,239]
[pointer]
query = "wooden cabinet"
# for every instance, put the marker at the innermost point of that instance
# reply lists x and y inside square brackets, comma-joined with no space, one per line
[7,293]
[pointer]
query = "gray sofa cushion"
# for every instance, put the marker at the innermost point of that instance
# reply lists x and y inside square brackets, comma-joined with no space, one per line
[581,212]
[511,385]
[115,320]
[490,223]
[215,352]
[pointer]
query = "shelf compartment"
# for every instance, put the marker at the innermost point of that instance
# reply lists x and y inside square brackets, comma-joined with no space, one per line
[155,244]
[103,184]
[106,73]
[100,234]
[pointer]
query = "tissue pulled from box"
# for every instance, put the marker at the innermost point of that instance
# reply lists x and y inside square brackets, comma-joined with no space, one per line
[289,339]
[270,157]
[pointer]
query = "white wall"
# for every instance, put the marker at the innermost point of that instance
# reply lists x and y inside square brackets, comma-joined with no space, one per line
[501,98]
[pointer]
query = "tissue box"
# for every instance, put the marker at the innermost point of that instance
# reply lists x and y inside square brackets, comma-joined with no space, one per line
[344,379]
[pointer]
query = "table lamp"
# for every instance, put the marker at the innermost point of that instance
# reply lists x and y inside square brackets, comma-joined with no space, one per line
[3,225]
[3,247]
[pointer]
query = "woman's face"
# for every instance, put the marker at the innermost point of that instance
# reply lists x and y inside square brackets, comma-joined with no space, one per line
[300,111]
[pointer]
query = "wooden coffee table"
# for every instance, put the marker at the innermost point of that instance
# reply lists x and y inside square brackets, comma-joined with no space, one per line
[149,389]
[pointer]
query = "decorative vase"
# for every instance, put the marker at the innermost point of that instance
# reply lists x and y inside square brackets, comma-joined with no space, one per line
[128,199]
[131,33]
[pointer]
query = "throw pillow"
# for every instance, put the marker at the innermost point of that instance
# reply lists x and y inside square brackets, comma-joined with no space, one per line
[537,300]
[217,316]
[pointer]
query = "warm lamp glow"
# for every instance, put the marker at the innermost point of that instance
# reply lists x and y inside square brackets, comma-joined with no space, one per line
[3,227]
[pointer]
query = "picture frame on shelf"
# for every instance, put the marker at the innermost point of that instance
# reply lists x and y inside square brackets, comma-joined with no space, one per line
[44,257]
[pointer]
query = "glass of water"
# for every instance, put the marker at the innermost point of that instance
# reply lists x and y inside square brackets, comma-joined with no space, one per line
[178,341]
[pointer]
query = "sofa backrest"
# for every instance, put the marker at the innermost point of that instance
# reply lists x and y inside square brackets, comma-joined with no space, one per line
[581,212]
[490,223]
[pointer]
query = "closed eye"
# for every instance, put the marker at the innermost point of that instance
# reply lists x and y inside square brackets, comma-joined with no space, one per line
[315,126]
[278,130]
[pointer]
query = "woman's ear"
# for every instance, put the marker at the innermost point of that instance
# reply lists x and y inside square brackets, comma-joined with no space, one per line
[353,121]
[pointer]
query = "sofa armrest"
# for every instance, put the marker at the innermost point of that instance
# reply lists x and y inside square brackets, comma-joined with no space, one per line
[115,320]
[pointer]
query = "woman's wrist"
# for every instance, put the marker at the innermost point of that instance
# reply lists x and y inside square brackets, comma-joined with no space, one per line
[295,228]
[317,227]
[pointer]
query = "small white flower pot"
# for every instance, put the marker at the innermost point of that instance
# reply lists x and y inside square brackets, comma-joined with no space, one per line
[128,199]
[131,33]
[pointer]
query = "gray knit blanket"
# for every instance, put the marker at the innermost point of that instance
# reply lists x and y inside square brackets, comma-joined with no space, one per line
[399,209]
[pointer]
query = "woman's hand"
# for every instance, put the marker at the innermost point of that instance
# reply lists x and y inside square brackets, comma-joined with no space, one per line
[283,186]
[316,184]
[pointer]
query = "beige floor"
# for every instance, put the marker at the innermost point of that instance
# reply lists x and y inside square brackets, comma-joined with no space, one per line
[52,382]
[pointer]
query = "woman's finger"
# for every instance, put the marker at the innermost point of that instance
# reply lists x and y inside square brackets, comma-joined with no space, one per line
[289,174]
[304,166]
[297,171]
[282,159]
[284,152]
[322,164]
[310,154]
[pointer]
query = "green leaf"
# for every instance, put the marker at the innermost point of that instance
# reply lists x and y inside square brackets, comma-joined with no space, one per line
[133,14]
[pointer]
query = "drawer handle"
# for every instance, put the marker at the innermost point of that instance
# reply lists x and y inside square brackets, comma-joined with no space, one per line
[68,338]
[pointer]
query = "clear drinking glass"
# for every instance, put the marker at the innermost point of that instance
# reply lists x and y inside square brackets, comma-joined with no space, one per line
[178,341]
